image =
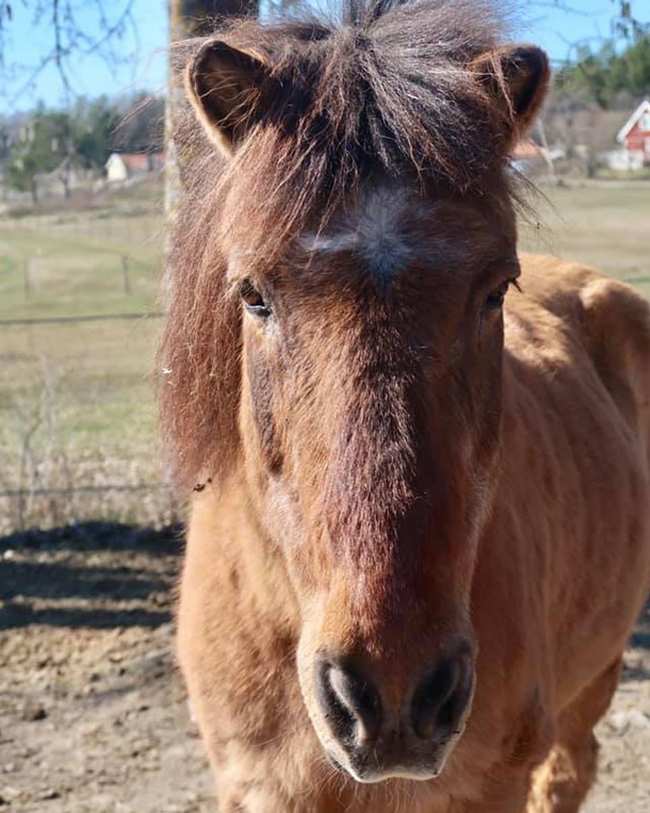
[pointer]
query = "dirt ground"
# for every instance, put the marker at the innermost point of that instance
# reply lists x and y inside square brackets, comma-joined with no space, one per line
[93,716]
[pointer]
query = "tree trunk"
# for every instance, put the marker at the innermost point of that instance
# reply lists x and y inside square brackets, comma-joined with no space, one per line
[192,18]
[65,181]
[188,18]
[33,185]
[546,152]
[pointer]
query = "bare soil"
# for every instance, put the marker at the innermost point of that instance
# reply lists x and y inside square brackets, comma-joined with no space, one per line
[93,715]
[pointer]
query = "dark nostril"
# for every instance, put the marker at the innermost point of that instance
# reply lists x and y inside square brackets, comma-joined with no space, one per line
[442,698]
[350,703]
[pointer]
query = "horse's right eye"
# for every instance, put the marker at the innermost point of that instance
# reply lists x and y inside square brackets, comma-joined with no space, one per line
[253,300]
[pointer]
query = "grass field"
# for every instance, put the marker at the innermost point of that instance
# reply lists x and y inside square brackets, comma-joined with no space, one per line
[102,261]
[606,225]
[76,404]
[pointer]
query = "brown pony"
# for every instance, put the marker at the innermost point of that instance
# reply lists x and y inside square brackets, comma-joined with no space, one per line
[420,532]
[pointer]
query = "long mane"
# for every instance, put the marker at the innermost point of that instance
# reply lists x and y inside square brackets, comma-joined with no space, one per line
[384,91]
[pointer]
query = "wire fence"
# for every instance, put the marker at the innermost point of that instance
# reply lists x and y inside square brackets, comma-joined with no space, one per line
[91,317]
[77,425]
[64,498]
[60,492]
[80,316]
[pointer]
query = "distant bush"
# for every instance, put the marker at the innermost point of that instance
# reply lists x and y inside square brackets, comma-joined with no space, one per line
[604,75]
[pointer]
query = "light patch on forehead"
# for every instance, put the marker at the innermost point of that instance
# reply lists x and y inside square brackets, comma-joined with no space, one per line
[374,231]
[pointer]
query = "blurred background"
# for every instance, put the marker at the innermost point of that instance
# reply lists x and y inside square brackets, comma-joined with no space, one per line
[88,546]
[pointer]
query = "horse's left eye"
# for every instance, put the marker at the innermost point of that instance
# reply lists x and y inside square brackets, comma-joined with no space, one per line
[253,300]
[495,300]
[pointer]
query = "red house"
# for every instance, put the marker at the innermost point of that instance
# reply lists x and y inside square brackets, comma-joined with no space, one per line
[635,136]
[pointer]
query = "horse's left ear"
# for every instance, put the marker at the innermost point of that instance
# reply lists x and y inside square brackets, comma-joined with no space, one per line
[517,77]
[229,91]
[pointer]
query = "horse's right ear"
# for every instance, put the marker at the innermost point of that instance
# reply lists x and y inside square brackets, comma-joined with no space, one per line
[517,79]
[227,89]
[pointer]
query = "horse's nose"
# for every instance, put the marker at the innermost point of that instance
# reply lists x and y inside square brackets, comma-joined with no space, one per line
[351,704]
[380,733]
[441,699]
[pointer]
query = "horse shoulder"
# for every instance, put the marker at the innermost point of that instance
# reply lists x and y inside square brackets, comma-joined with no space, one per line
[617,325]
[613,323]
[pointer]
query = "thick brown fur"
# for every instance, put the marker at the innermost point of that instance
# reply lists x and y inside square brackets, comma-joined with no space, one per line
[394,462]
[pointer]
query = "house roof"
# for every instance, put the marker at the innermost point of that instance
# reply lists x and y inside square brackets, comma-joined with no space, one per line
[527,150]
[137,161]
[644,107]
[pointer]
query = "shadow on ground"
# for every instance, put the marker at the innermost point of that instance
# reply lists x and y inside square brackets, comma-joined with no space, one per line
[95,535]
[94,574]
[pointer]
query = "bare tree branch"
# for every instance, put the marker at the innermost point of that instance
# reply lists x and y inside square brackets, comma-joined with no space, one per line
[74,33]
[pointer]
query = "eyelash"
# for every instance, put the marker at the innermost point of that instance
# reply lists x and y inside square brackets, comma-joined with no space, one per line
[253,300]
[497,297]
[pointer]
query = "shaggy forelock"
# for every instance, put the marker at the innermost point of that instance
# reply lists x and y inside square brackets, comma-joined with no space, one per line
[390,95]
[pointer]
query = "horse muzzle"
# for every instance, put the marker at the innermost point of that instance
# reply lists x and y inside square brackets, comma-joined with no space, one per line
[372,739]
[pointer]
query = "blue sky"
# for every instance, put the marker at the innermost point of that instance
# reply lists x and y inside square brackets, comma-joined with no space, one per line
[585,22]
[29,39]
[140,52]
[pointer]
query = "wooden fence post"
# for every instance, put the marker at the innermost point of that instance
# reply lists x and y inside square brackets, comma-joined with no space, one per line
[125,275]
[27,281]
